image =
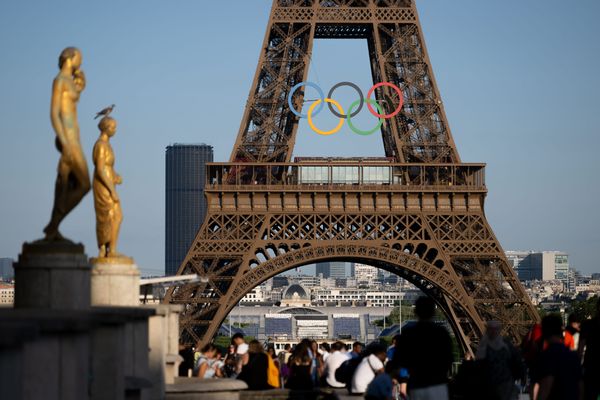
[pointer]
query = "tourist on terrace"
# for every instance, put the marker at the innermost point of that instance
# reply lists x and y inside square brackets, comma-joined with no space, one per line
[356,349]
[207,363]
[368,368]
[571,335]
[317,362]
[385,386]
[254,371]
[425,350]
[287,351]
[237,356]
[300,364]
[559,371]
[589,349]
[284,370]
[392,347]
[502,363]
[333,362]
[324,350]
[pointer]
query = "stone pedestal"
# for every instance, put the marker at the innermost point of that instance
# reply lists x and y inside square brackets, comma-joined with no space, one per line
[115,282]
[52,274]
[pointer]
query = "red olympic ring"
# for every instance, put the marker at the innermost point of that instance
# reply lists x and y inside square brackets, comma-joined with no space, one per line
[400,102]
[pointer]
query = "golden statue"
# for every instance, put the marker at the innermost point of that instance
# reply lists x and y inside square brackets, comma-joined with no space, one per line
[73,179]
[106,199]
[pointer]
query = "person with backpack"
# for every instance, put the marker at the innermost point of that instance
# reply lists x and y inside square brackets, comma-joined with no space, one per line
[345,372]
[370,366]
[273,372]
[425,351]
[334,361]
[256,371]
[500,363]
[559,371]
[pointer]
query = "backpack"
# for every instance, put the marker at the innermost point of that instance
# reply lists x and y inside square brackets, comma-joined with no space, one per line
[345,372]
[272,373]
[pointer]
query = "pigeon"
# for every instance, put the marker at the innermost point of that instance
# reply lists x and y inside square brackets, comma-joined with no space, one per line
[105,112]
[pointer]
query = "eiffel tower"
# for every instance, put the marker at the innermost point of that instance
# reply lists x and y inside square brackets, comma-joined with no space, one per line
[424,221]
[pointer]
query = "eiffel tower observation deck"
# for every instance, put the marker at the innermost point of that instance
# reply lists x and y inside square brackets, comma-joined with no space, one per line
[417,211]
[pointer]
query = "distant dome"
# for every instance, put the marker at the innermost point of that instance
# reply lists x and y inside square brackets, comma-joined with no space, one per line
[295,292]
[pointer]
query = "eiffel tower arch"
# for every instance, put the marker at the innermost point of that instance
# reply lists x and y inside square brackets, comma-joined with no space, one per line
[423,218]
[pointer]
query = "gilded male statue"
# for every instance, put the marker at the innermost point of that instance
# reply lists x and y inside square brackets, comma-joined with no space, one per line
[73,179]
[106,199]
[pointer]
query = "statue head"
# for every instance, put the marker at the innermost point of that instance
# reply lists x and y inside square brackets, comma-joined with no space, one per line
[108,125]
[72,55]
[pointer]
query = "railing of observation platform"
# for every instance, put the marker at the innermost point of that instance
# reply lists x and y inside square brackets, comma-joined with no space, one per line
[344,175]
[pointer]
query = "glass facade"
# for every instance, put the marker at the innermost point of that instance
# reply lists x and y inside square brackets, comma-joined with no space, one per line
[345,175]
[561,269]
[185,201]
[333,269]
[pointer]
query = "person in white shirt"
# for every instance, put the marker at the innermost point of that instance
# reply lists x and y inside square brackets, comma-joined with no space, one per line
[333,362]
[370,366]
[324,350]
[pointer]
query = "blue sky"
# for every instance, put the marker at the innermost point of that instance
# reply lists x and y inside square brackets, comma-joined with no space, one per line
[519,80]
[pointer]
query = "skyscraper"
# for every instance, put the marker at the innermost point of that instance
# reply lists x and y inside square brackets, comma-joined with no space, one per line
[185,201]
[6,269]
[333,269]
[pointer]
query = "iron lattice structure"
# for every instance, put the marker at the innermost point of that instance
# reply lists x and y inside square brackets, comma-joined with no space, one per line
[424,222]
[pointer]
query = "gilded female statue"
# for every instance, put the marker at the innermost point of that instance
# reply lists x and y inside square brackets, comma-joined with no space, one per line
[73,179]
[106,199]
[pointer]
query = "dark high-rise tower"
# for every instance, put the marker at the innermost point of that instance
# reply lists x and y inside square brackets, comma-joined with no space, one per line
[185,201]
[331,269]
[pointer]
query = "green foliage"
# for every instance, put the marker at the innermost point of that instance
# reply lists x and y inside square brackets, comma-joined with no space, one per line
[222,341]
[406,314]
[584,309]
[541,311]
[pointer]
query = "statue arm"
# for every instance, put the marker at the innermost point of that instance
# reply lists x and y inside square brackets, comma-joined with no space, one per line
[101,171]
[55,113]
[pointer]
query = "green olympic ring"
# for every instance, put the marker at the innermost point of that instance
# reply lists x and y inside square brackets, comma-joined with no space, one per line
[355,129]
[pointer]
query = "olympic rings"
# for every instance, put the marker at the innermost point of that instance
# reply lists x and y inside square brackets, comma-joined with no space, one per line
[353,86]
[314,128]
[400,103]
[358,131]
[312,85]
[351,111]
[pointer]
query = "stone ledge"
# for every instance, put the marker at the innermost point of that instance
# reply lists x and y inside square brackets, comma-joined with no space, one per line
[195,385]
[21,325]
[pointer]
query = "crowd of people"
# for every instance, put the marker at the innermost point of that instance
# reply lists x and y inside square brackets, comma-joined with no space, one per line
[552,362]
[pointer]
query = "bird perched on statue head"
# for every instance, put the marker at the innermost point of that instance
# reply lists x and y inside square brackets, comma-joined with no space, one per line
[105,111]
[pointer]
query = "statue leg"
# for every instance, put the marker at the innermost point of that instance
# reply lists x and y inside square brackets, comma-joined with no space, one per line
[116,226]
[61,190]
[81,178]
[102,252]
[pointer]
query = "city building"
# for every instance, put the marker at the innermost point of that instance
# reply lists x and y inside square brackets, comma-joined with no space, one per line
[353,296]
[256,295]
[544,266]
[365,274]
[7,294]
[279,281]
[333,269]
[295,296]
[185,201]
[7,272]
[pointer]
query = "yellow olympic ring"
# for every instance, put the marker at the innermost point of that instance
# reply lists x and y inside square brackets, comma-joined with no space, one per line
[314,128]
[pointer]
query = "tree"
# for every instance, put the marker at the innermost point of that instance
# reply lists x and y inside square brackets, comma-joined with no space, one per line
[584,309]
